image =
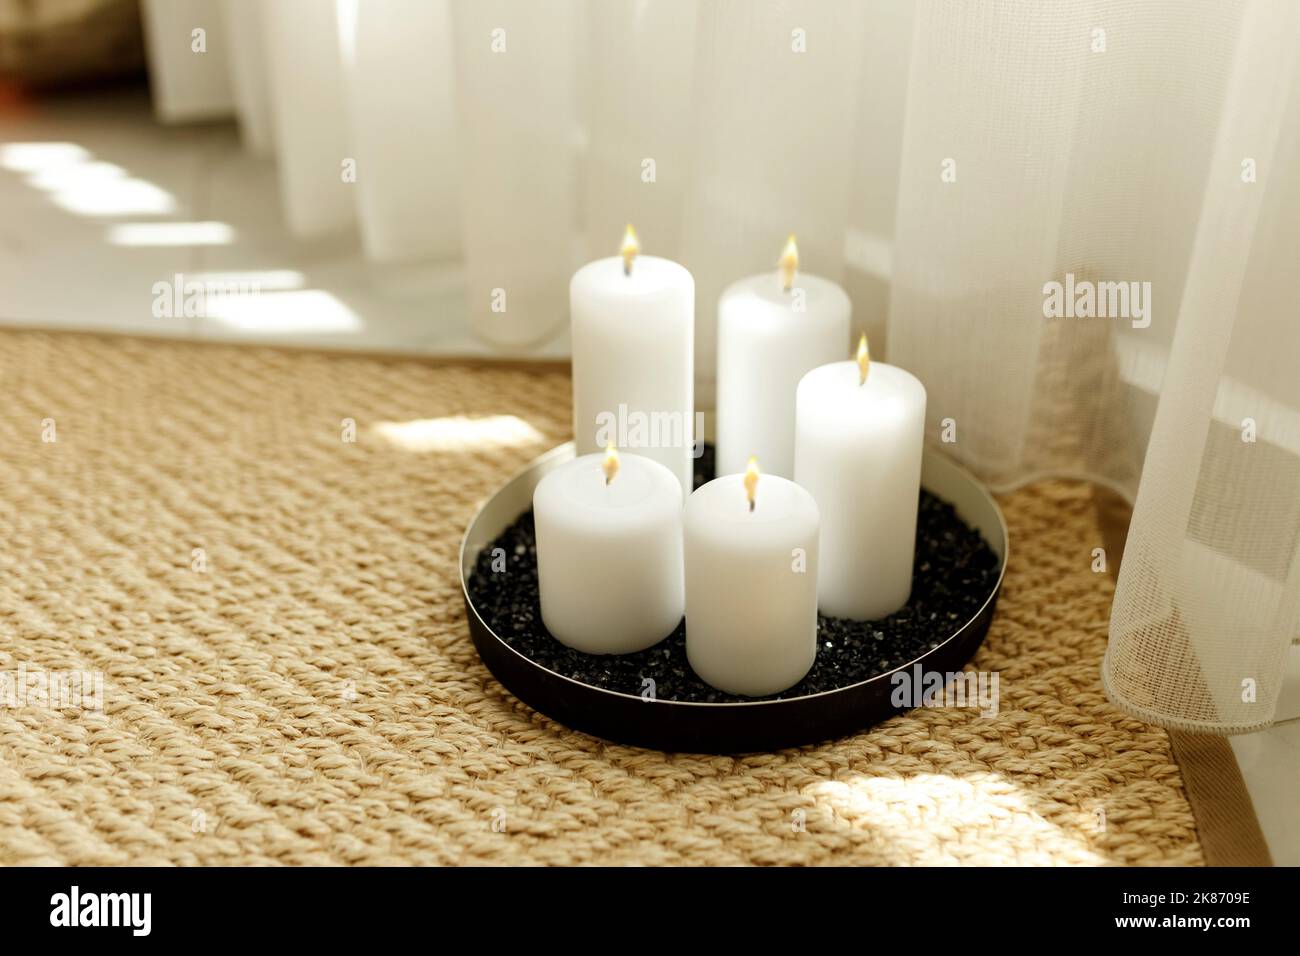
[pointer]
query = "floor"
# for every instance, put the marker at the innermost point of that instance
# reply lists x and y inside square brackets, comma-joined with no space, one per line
[119,203]
[306,693]
[1270,764]
[95,184]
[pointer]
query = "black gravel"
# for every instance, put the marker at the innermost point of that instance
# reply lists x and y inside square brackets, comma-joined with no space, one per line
[954,573]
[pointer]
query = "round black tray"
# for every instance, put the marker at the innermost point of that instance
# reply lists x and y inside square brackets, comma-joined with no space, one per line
[729,727]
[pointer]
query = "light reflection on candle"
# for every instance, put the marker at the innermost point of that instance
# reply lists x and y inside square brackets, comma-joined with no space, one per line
[751,481]
[864,359]
[789,264]
[630,249]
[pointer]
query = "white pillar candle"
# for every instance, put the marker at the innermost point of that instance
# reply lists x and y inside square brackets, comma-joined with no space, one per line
[633,358]
[751,583]
[858,449]
[609,553]
[772,329]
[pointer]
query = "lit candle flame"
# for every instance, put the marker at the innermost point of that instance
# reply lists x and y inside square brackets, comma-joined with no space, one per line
[630,249]
[864,359]
[751,481]
[610,465]
[789,264]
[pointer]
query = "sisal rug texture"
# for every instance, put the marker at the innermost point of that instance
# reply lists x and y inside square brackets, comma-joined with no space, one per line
[287,677]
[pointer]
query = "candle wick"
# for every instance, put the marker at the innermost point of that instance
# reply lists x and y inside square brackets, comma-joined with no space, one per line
[750,482]
[789,264]
[630,249]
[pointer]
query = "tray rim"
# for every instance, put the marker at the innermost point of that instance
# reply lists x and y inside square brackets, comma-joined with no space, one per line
[566,451]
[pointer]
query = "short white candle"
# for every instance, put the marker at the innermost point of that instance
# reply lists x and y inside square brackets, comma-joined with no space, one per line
[633,342]
[609,553]
[858,452]
[751,583]
[772,329]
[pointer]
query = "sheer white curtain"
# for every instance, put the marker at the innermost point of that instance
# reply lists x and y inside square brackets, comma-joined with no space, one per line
[1111,141]
[946,160]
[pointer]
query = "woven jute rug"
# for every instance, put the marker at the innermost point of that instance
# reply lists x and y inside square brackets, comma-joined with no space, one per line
[287,677]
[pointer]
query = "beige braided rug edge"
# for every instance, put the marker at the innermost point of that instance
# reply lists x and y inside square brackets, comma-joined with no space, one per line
[311,695]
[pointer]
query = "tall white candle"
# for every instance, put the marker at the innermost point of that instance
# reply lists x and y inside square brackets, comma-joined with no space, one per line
[751,583]
[772,329]
[609,553]
[858,450]
[633,358]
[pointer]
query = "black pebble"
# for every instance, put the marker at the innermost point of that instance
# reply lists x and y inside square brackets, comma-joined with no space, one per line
[954,572]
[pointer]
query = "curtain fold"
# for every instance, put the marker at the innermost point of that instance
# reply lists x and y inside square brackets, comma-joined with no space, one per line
[1099,143]
[1207,598]
[963,166]
[774,105]
[186,83]
[246,64]
[308,114]
[403,132]
[517,87]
